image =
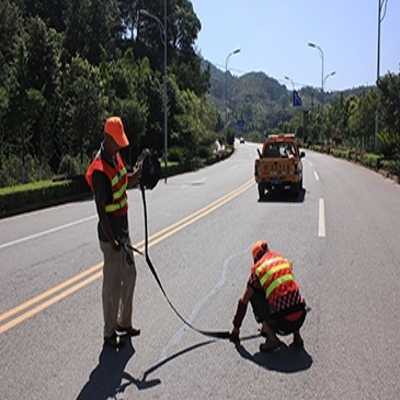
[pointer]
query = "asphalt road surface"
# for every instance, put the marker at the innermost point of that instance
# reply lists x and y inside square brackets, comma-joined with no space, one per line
[342,235]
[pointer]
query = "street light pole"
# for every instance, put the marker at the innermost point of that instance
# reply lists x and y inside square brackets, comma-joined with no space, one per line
[382,8]
[164,29]
[226,83]
[313,45]
[165,88]
[329,76]
[292,82]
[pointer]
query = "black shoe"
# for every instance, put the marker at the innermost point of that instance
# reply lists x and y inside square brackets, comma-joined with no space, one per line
[128,331]
[113,341]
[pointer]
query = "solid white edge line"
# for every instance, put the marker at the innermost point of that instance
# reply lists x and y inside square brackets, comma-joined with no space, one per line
[43,233]
[321,220]
[316,175]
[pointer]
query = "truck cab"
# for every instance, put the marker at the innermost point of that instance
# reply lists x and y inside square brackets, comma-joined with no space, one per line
[279,165]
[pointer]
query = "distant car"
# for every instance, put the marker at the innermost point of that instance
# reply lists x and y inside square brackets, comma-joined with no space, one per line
[241,140]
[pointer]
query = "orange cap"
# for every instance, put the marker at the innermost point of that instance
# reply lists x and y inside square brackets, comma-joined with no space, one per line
[259,249]
[115,128]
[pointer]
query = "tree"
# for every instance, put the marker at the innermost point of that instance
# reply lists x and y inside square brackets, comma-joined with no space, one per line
[83,109]
[389,87]
[389,95]
[94,29]
[10,36]
[53,12]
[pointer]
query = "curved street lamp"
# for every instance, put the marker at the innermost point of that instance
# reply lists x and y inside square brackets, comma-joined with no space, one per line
[291,81]
[315,46]
[226,82]
[329,76]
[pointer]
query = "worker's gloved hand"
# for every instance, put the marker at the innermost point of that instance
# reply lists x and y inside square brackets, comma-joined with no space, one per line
[116,245]
[234,338]
[124,245]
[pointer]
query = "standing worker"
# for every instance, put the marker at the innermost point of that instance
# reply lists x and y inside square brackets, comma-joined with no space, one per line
[275,298]
[108,179]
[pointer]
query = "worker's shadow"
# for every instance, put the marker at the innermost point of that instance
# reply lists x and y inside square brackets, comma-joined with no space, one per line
[283,196]
[286,359]
[109,377]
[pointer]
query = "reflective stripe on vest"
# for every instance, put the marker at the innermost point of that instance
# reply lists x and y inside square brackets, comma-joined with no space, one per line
[277,282]
[118,177]
[268,274]
[116,206]
[263,268]
[120,192]
[270,266]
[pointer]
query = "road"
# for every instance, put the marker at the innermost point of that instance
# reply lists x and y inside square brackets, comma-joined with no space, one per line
[342,237]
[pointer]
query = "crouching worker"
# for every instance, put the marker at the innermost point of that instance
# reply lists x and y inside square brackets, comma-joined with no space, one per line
[275,298]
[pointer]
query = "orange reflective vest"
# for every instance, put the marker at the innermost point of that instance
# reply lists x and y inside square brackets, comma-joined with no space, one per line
[275,274]
[118,179]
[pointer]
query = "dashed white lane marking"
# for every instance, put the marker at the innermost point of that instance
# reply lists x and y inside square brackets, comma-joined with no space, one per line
[316,175]
[43,233]
[321,220]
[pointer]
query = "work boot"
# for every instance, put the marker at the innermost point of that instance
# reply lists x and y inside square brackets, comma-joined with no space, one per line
[113,341]
[270,345]
[298,342]
[128,331]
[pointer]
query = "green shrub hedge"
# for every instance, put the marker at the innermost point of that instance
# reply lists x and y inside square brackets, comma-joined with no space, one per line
[36,195]
[370,160]
[31,196]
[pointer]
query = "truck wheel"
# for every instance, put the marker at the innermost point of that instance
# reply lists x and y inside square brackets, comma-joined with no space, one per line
[297,187]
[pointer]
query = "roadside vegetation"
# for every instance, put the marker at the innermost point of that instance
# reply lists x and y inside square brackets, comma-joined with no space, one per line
[67,65]
[346,127]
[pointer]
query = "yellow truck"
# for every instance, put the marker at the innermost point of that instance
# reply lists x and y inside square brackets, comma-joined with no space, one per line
[279,165]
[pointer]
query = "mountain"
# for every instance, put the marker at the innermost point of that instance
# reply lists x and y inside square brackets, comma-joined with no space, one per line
[259,103]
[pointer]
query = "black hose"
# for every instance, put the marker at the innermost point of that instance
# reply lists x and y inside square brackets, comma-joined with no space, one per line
[214,334]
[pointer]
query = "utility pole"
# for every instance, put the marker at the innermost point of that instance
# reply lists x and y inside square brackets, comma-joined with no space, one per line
[382,9]
[226,84]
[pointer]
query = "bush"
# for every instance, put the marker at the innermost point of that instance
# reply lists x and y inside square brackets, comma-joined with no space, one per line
[205,152]
[176,154]
[389,144]
[392,166]
[11,170]
[371,160]
[72,166]
[31,196]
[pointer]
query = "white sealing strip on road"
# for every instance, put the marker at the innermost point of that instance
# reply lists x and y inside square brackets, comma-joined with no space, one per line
[321,221]
[43,233]
[195,312]
[316,175]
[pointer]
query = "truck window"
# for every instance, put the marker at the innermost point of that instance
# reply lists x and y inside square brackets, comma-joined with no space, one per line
[280,150]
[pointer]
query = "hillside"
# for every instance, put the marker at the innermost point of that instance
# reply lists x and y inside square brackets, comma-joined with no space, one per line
[259,103]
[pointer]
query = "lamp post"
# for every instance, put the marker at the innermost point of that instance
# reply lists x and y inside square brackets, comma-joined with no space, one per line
[315,46]
[382,8]
[226,83]
[164,30]
[329,76]
[291,81]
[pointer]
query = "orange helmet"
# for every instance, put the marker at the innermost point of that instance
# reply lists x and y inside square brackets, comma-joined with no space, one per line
[115,128]
[259,249]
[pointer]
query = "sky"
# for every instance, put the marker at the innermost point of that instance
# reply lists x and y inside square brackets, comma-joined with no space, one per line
[273,37]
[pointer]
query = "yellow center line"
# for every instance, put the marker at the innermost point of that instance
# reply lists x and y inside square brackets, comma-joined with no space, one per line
[95,272]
